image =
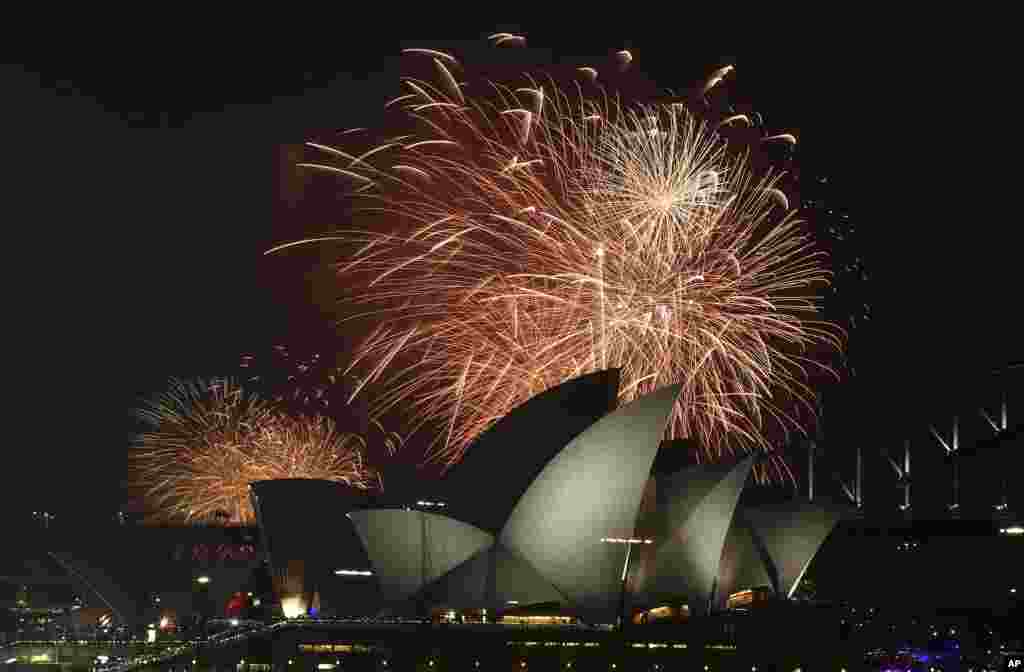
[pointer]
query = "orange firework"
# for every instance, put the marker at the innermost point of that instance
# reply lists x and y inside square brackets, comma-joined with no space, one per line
[208,440]
[519,236]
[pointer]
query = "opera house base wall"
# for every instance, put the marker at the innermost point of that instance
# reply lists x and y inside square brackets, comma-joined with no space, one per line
[782,637]
[572,545]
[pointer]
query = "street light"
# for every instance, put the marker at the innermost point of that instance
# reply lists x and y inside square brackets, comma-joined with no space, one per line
[619,540]
[431,505]
[203,580]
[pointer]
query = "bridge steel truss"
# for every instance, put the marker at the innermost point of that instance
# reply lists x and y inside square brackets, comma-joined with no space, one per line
[960,444]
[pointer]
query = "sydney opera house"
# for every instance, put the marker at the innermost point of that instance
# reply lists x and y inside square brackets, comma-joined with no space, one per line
[571,523]
[566,511]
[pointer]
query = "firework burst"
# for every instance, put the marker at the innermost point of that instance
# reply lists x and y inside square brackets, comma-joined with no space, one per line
[516,237]
[208,440]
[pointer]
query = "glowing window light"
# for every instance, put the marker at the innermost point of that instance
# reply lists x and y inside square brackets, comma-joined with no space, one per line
[203,580]
[293,606]
[353,572]
[1014,530]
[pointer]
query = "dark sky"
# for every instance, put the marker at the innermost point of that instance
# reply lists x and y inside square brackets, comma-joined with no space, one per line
[148,177]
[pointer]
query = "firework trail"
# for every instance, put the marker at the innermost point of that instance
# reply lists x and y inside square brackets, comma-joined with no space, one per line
[298,377]
[295,376]
[514,237]
[208,440]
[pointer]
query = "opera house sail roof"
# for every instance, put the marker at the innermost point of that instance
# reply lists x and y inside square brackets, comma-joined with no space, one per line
[492,579]
[789,535]
[510,455]
[742,565]
[550,548]
[696,506]
[560,482]
[282,504]
[591,490]
[306,535]
[410,549]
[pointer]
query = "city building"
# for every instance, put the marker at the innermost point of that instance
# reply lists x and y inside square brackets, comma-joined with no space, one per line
[124,579]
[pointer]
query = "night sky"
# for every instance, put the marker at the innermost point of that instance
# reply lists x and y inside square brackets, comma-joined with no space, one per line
[149,178]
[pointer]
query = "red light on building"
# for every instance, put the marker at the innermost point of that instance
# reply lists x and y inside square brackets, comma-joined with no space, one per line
[168,621]
[237,606]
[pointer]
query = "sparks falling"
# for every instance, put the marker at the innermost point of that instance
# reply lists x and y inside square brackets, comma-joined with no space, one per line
[208,440]
[515,237]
